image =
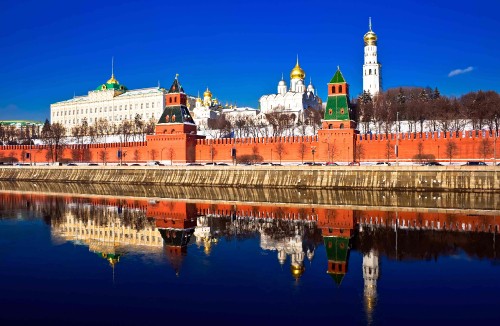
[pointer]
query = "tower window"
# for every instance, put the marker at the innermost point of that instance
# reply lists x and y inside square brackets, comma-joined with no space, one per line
[341,127]
[340,88]
[370,72]
[333,89]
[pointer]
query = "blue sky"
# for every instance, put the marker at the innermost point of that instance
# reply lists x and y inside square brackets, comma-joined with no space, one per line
[50,50]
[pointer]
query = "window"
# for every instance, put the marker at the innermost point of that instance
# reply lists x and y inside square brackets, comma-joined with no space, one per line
[152,104]
[333,89]
[147,105]
[341,126]
[369,72]
[340,88]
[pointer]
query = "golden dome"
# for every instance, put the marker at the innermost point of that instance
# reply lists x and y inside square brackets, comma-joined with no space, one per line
[112,80]
[370,38]
[297,270]
[198,99]
[297,72]
[207,93]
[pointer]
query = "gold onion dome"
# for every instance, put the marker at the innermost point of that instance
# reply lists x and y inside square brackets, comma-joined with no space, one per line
[112,80]
[207,93]
[370,38]
[297,72]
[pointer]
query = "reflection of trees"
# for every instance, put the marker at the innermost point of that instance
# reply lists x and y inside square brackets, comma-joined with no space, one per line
[426,244]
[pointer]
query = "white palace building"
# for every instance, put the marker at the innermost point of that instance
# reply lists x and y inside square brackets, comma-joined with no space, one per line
[111,101]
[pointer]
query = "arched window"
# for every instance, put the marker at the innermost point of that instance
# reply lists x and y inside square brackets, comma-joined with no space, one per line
[369,72]
[333,89]
[340,88]
[330,126]
[341,126]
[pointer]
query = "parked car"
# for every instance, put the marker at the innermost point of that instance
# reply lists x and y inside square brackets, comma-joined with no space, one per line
[475,163]
[276,164]
[211,163]
[331,164]
[154,163]
[433,163]
[135,164]
[93,164]
[265,163]
[195,164]
[383,163]
[225,164]
[71,164]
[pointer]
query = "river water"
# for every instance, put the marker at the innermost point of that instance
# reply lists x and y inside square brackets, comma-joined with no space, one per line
[106,257]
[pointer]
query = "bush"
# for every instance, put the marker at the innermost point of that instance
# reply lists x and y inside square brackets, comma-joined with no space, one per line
[249,158]
[424,158]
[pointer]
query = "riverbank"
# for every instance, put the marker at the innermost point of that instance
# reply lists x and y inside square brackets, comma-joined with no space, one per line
[413,178]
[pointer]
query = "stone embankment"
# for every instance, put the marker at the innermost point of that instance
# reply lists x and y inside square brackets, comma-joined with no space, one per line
[417,178]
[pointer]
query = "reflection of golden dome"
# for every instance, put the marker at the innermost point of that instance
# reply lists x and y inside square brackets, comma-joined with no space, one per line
[207,93]
[297,72]
[112,80]
[297,270]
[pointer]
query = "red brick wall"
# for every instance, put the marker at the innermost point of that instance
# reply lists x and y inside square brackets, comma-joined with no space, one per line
[329,145]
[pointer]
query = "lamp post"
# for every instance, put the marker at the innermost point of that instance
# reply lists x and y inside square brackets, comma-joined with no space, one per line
[397,138]
[438,153]
[161,153]
[313,150]
[271,156]
[495,142]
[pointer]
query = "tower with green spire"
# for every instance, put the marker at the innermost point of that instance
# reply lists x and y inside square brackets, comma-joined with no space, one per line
[338,127]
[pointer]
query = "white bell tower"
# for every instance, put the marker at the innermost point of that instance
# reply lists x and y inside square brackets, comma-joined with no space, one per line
[371,67]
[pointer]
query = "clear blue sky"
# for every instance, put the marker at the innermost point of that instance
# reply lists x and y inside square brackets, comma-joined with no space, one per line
[50,50]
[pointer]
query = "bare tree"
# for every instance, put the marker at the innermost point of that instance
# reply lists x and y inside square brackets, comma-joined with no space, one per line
[359,152]
[485,148]
[137,155]
[302,151]
[280,150]
[154,154]
[450,149]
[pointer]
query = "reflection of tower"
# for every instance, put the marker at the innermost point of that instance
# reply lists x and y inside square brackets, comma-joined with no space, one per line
[203,234]
[175,222]
[337,230]
[370,276]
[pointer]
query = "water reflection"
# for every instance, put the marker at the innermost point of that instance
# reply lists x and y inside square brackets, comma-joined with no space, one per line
[113,227]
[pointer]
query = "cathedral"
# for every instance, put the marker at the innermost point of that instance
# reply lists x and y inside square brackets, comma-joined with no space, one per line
[292,100]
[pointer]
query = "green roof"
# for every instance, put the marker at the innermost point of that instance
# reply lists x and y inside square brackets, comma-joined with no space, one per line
[337,277]
[176,87]
[337,108]
[176,114]
[337,248]
[337,78]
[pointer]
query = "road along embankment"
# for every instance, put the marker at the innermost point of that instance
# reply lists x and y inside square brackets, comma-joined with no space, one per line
[416,178]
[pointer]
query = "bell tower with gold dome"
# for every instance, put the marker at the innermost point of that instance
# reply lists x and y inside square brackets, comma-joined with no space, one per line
[371,67]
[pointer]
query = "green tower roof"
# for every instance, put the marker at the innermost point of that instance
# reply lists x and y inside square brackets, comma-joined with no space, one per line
[337,78]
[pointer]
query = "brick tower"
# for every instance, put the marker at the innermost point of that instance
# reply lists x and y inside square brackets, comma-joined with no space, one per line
[175,133]
[336,138]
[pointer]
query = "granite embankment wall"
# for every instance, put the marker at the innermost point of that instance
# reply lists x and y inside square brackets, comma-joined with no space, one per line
[448,178]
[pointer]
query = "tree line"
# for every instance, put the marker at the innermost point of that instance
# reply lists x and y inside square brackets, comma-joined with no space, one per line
[425,110]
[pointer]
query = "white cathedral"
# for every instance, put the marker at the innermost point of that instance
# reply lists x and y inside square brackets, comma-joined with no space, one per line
[293,100]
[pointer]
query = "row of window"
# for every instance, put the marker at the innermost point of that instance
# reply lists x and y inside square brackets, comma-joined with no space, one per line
[116,118]
[114,108]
